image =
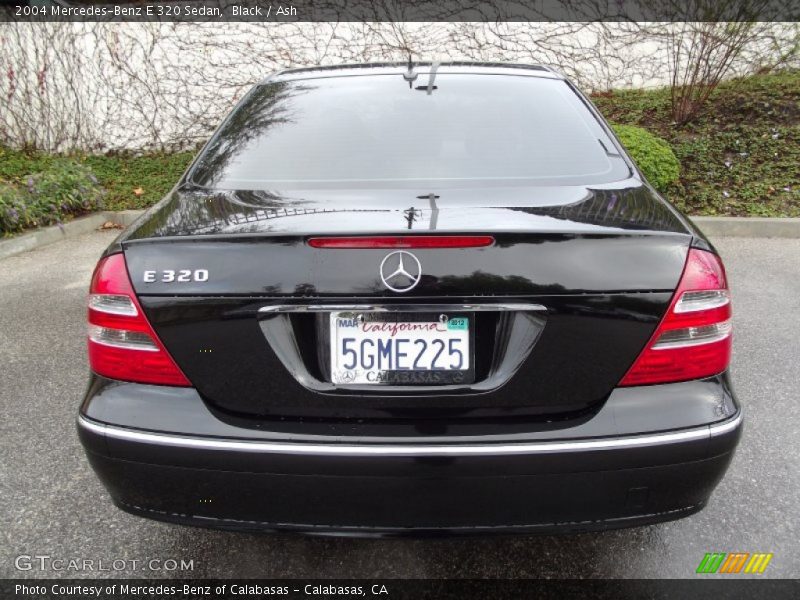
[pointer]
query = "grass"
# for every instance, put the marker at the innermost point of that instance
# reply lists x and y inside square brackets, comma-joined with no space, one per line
[740,157]
[130,181]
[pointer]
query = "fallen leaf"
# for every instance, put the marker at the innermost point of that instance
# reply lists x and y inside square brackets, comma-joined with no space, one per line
[138,191]
[111,225]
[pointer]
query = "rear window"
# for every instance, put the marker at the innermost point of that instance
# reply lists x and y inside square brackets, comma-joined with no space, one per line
[376,131]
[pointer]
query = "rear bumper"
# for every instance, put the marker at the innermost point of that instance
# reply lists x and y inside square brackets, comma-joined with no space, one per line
[564,480]
[392,489]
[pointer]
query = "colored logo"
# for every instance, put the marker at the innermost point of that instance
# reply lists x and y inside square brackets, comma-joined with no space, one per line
[458,324]
[734,562]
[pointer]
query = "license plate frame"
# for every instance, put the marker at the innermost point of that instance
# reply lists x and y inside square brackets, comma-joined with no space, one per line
[402,377]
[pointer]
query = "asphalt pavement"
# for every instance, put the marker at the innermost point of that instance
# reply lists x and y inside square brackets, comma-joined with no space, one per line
[52,505]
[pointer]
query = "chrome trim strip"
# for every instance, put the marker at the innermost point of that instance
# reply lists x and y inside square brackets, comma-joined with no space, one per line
[503,306]
[698,433]
[727,426]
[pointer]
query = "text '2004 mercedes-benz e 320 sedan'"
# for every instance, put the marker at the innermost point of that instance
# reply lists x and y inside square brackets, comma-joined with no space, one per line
[411,298]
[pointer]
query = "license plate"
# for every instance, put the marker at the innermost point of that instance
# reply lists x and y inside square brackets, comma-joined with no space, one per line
[400,349]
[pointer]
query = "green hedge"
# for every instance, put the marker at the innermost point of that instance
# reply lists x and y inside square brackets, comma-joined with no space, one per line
[652,155]
[65,188]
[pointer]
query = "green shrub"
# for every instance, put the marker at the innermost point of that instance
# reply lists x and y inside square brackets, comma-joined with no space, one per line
[64,188]
[652,155]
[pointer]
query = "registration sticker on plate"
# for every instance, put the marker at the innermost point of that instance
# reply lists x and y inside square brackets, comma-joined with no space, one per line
[400,349]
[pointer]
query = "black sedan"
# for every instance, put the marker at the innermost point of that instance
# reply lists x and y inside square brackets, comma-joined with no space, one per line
[419,298]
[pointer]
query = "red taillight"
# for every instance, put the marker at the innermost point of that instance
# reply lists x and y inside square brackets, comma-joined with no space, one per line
[122,344]
[403,241]
[693,339]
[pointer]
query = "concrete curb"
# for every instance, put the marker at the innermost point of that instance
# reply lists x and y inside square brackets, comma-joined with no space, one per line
[49,235]
[754,227]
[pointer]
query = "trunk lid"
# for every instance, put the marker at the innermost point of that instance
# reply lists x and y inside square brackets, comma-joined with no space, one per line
[590,272]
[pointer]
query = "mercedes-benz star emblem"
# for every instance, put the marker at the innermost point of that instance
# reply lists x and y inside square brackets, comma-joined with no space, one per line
[400,271]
